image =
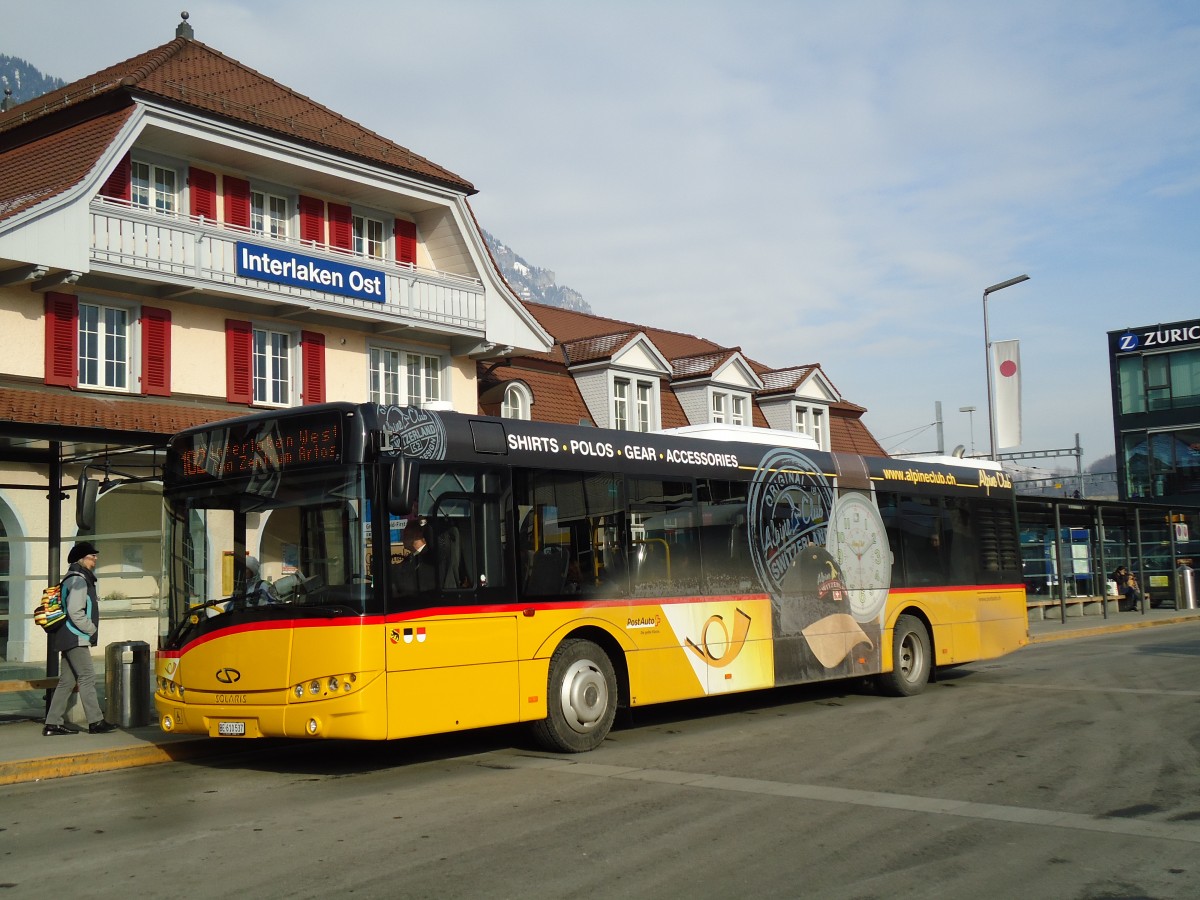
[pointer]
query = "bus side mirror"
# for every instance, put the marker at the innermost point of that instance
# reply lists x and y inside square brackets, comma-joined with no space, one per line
[85,504]
[401,490]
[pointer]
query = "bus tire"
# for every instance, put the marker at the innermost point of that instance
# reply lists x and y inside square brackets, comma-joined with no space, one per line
[911,659]
[581,699]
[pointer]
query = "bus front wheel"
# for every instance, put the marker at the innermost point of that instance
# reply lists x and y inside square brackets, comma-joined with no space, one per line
[581,699]
[911,659]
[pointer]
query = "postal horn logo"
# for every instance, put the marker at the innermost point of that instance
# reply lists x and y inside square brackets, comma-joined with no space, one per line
[789,508]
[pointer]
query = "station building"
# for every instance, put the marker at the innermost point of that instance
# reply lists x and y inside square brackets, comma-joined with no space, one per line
[183,240]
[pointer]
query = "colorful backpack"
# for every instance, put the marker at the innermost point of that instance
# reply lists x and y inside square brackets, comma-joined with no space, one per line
[50,613]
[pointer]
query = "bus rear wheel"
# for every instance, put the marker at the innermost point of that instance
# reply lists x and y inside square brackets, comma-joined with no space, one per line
[580,699]
[911,659]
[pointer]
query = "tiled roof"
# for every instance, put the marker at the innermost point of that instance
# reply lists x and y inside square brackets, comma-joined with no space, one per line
[595,348]
[48,166]
[556,397]
[700,363]
[187,73]
[848,434]
[586,337]
[784,379]
[669,410]
[566,325]
[144,419]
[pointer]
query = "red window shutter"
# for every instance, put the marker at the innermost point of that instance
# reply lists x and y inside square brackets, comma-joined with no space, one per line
[312,350]
[237,202]
[341,227]
[119,185]
[312,220]
[156,352]
[406,241]
[239,362]
[202,187]
[62,340]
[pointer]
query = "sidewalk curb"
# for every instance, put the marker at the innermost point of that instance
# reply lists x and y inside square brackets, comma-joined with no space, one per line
[1071,633]
[85,763]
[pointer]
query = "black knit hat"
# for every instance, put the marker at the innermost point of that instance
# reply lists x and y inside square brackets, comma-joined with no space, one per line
[80,550]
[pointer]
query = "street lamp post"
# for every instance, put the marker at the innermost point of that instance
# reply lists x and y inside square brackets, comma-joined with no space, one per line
[970,410]
[987,356]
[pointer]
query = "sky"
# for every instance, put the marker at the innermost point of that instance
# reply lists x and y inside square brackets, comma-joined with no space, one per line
[813,182]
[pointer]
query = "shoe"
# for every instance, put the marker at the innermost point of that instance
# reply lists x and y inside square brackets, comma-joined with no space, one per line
[101,727]
[51,730]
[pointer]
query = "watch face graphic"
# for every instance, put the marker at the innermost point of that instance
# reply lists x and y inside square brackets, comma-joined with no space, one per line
[857,540]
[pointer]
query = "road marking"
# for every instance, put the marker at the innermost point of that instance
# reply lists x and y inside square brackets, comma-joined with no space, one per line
[1085,689]
[1171,831]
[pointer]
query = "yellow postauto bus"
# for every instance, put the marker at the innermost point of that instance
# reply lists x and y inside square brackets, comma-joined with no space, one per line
[380,572]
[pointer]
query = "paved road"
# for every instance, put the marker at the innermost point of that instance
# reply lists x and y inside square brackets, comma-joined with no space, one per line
[1065,771]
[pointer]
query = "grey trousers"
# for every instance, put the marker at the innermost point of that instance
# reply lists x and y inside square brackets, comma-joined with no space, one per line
[75,668]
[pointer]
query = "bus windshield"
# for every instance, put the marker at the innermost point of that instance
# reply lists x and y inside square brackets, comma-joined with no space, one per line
[236,554]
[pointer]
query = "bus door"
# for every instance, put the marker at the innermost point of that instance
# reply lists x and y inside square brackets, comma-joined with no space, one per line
[452,644]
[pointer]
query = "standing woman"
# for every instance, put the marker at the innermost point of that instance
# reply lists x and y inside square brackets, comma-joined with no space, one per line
[75,640]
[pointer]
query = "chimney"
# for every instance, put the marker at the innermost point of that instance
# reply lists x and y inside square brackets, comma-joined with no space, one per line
[184,30]
[6,104]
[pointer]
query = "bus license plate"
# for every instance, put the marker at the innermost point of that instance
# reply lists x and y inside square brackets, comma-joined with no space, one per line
[232,729]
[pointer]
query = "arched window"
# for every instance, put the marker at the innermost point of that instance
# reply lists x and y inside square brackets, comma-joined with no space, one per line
[517,402]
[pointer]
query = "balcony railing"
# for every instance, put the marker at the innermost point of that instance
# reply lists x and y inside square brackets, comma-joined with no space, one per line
[187,250]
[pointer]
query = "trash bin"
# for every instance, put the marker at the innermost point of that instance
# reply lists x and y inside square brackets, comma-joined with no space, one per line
[127,683]
[1185,588]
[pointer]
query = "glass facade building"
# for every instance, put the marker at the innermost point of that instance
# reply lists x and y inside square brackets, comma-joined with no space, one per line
[1156,412]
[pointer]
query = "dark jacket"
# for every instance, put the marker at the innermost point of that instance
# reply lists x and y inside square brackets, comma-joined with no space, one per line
[82,603]
[417,574]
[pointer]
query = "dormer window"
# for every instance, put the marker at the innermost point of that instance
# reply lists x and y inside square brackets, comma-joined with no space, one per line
[810,420]
[517,402]
[728,408]
[621,404]
[634,404]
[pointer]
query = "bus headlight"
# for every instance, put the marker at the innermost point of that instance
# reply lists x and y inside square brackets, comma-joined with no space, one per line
[299,690]
[314,687]
[333,683]
[313,726]
[167,723]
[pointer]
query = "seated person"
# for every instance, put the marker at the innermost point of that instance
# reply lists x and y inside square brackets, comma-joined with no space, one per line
[1127,588]
[416,572]
[258,591]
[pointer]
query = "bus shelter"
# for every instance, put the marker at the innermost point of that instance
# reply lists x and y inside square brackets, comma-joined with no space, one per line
[1070,547]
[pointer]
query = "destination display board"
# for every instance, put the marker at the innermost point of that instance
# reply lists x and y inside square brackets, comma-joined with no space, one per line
[255,447]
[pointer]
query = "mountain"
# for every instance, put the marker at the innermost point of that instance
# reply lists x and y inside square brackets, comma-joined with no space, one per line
[24,80]
[533,283]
